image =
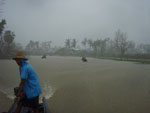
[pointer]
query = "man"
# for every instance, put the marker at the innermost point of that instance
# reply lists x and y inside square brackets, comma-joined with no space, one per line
[29,87]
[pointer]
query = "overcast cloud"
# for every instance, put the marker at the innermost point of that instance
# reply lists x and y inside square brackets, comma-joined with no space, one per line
[57,20]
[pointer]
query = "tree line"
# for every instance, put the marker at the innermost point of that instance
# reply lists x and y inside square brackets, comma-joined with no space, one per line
[117,47]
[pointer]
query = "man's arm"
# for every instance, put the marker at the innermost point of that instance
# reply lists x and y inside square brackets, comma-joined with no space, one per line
[21,88]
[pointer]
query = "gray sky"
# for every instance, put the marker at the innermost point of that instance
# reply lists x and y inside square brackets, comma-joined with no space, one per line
[57,20]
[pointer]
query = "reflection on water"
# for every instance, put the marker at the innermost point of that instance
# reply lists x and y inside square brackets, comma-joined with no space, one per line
[98,86]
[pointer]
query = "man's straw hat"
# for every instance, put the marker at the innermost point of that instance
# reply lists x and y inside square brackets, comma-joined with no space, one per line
[20,55]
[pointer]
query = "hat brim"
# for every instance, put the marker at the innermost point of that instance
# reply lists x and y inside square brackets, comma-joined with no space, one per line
[19,58]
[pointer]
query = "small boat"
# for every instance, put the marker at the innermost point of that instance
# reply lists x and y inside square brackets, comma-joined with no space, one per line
[43,107]
[84,59]
[44,56]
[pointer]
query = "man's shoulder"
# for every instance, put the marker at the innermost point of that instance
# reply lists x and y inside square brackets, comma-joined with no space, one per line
[27,66]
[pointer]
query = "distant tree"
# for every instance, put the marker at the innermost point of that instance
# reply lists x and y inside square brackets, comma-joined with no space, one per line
[84,42]
[68,43]
[147,48]
[2,26]
[37,44]
[131,47]
[121,43]
[37,48]
[18,46]
[99,46]
[30,45]
[7,45]
[49,44]
[143,48]
[14,47]
[74,43]
[8,38]
[110,48]
[90,43]
[95,47]
[46,46]
[103,44]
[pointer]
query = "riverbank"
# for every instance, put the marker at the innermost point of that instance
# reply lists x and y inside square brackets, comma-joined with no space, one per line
[141,61]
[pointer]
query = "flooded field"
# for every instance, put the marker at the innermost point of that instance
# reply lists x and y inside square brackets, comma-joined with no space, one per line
[73,86]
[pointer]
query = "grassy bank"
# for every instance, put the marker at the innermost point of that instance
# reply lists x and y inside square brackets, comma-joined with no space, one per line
[141,61]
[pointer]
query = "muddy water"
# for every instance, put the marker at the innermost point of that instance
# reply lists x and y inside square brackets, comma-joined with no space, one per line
[72,86]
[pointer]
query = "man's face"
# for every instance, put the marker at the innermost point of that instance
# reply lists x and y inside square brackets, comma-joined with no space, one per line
[18,61]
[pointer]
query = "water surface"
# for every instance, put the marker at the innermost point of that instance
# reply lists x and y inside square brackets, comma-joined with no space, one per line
[73,86]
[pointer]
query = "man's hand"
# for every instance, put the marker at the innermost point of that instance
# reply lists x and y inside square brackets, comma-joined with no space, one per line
[20,90]
[20,94]
[16,99]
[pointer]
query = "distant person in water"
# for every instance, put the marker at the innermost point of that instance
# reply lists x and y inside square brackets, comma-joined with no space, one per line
[44,56]
[84,59]
[29,87]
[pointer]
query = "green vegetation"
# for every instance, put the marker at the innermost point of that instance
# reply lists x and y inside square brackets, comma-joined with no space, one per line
[7,45]
[140,61]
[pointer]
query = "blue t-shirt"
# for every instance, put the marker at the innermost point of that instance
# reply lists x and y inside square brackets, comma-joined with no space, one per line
[31,86]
